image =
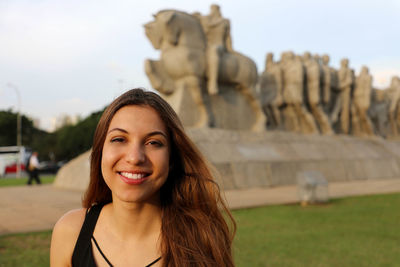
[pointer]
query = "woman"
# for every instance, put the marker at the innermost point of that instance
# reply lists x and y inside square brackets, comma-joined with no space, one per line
[151,199]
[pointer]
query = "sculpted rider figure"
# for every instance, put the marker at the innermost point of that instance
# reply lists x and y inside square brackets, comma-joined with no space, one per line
[217,30]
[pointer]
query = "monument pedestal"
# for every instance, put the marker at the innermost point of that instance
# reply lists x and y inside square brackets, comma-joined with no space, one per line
[229,109]
[245,159]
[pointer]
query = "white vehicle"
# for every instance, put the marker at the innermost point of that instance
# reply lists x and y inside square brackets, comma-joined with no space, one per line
[11,157]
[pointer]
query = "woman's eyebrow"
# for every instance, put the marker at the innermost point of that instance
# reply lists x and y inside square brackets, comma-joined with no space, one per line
[148,135]
[117,129]
[157,133]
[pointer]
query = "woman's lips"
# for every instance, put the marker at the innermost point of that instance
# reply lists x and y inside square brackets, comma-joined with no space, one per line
[133,178]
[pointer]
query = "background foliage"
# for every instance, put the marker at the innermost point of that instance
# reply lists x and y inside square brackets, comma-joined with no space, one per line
[65,143]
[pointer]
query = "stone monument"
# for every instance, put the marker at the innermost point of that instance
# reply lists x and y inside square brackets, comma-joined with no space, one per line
[213,89]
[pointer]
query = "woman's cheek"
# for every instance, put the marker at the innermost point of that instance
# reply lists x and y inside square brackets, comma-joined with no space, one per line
[106,161]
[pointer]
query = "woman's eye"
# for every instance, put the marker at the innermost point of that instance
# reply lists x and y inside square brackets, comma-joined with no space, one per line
[155,143]
[117,140]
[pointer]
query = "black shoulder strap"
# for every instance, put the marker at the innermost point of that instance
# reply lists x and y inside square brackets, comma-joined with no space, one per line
[83,244]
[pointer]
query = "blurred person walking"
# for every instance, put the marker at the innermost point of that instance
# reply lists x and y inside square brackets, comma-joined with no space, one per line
[33,169]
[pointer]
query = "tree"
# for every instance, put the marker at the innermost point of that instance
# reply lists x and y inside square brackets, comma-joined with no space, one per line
[73,140]
[64,144]
[8,129]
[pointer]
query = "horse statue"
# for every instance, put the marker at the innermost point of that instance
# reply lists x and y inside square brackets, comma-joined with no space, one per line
[184,64]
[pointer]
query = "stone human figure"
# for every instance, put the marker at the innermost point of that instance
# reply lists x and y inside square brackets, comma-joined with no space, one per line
[297,118]
[313,79]
[394,119]
[219,41]
[342,103]
[326,81]
[318,59]
[271,91]
[361,123]
[379,110]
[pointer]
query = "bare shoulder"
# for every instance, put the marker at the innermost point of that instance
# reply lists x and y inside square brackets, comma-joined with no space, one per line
[65,234]
[71,221]
[69,225]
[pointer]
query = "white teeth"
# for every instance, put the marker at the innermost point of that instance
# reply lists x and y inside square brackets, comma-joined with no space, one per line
[134,176]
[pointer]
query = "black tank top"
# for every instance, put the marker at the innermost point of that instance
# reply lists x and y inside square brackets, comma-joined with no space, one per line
[83,254]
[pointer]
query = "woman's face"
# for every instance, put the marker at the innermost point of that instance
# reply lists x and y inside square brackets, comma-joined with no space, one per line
[135,158]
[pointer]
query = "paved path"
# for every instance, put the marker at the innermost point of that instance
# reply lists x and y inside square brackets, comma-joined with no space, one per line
[25,209]
[289,194]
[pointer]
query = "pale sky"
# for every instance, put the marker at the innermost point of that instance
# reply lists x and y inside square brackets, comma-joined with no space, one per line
[74,57]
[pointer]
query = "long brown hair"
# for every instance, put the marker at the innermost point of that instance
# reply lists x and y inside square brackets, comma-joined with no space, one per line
[194,231]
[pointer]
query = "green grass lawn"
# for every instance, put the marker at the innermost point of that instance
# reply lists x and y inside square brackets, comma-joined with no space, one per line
[356,231]
[28,250]
[45,179]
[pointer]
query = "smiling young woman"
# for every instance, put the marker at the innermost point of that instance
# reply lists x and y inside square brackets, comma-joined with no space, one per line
[151,200]
[135,162]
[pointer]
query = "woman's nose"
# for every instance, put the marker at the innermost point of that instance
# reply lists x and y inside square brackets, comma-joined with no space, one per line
[135,154]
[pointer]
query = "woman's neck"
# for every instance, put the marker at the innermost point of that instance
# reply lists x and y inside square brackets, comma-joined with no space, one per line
[134,220]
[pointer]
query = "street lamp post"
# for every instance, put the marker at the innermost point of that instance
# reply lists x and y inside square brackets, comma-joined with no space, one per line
[19,128]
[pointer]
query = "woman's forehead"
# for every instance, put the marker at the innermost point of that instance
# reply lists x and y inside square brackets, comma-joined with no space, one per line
[137,117]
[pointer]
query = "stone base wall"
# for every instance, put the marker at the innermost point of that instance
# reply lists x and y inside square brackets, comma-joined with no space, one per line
[246,159]
[229,109]
[75,174]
